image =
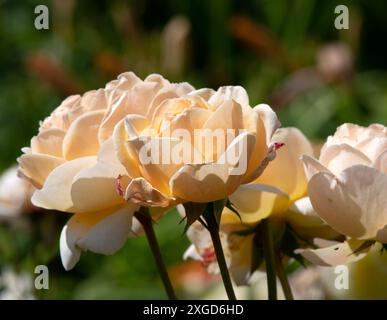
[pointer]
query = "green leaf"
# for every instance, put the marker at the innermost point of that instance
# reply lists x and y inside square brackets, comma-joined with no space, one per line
[363,246]
[193,211]
[289,244]
[229,206]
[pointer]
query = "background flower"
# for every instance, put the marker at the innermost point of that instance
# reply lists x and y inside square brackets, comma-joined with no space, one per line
[346,187]
[15,194]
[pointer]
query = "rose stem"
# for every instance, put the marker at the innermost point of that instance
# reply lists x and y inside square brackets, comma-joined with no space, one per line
[283,277]
[213,228]
[268,250]
[144,218]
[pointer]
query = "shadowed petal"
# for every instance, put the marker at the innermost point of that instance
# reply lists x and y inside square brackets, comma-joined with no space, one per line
[102,232]
[354,204]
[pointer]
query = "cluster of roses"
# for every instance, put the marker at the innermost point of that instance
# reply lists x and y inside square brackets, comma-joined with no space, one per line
[85,160]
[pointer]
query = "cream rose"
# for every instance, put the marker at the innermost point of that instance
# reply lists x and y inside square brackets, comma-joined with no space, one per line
[15,195]
[347,187]
[72,162]
[206,174]
[281,192]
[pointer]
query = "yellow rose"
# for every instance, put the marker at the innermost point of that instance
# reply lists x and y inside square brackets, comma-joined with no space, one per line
[281,184]
[72,162]
[281,192]
[201,171]
[347,188]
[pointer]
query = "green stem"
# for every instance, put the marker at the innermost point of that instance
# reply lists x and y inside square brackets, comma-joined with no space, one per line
[213,228]
[144,218]
[268,250]
[283,277]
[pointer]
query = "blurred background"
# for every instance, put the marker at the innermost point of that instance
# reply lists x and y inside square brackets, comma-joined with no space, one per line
[285,53]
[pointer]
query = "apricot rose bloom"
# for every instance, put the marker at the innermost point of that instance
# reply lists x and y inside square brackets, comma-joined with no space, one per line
[347,187]
[280,192]
[72,162]
[203,176]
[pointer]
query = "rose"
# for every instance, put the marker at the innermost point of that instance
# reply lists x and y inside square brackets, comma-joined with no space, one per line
[15,195]
[72,162]
[281,184]
[347,188]
[280,192]
[205,176]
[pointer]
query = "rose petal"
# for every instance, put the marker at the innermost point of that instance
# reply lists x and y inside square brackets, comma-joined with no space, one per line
[266,123]
[102,232]
[190,120]
[213,181]
[277,173]
[340,157]
[99,181]
[172,107]
[353,204]
[127,159]
[255,202]
[337,254]
[125,81]
[204,93]
[140,191]
[269,119]
[36,167]
[82,137]
[49,142]
[158,158]
[192,253]
[229,93]
[173,90]
[381,162]
[312,166]
[373,147]
[56,191]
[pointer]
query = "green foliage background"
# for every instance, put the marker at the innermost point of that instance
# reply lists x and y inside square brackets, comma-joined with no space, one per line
[90,42]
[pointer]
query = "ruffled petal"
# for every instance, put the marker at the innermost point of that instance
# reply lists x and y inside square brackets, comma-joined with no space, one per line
[81,139]
[141,192]
[213,181]
[340,157]
[37,167]
[56,191]
[48,142]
